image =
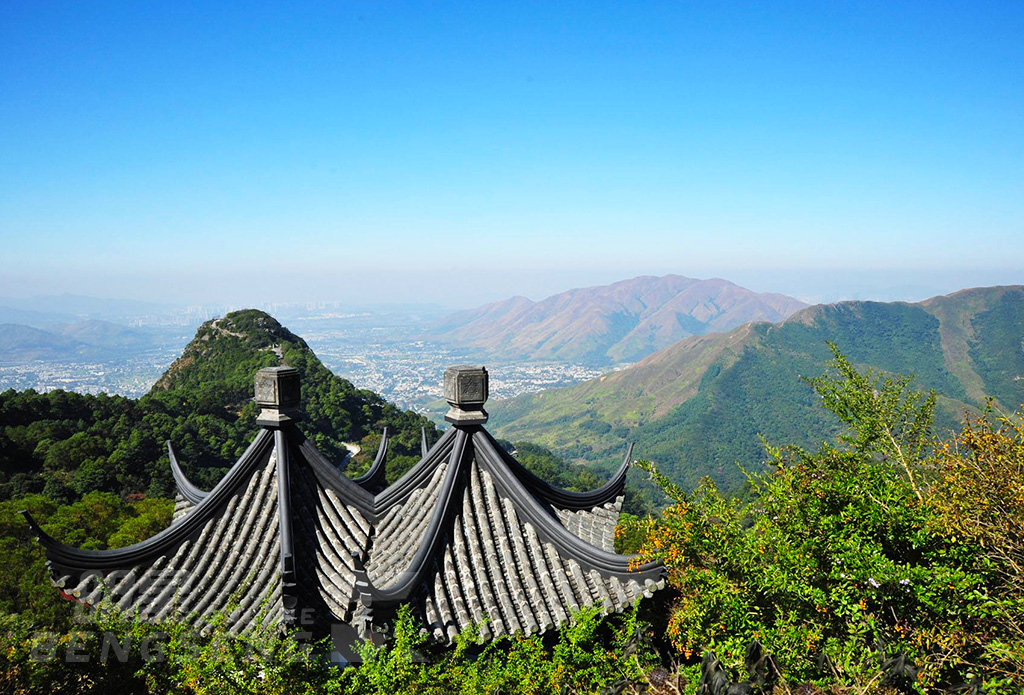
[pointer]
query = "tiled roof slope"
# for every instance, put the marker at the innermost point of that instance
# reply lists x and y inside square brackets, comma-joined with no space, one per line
[467,536]
[225,554]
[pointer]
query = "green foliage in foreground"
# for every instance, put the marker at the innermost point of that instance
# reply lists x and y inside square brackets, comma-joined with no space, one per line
[852,553]
[881,542]
[594,652]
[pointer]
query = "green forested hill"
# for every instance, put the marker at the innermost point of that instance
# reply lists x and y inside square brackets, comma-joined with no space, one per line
[66,444]
[698,406]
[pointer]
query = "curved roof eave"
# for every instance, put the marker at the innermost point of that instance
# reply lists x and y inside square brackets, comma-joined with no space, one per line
[376,477]
[415,477]
[328,473]
[547,526]
[371,506]
[66,557]
[566,499]
[481,446]
[189,491]
[433,537]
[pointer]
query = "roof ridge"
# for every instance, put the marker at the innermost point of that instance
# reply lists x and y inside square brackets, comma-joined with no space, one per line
[568,499]
[559,536]
[436,529]
[431,527]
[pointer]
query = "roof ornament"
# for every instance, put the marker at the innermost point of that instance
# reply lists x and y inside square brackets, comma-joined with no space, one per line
[465,389]
[277,393]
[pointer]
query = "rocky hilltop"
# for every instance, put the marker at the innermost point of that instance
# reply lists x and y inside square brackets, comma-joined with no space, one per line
[218,365]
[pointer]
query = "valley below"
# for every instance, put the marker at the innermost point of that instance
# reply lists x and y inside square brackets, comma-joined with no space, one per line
[388,352]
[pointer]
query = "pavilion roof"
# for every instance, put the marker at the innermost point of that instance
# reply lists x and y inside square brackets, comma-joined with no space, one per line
[467,536]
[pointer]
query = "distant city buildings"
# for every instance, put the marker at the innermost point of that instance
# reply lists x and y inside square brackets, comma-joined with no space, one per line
[381,354]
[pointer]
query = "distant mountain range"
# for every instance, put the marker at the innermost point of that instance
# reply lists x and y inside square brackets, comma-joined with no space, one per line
[79,340]
[23,344]
[62,308]
[35,319]
[65,444]
[610,324]
[697,407]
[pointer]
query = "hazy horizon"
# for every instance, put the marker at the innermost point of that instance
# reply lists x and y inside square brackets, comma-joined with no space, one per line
[821,287]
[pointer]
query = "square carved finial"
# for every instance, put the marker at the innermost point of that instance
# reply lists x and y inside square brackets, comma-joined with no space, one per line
[465,389]
[278,390]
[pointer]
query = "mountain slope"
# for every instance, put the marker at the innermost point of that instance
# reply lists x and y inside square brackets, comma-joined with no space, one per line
[216,371]
[697,406]
[621,322]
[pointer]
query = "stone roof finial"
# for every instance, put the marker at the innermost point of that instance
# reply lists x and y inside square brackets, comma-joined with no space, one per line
[277,392]
[465,389]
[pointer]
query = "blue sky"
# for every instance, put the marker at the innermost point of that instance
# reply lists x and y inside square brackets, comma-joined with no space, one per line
[464,152]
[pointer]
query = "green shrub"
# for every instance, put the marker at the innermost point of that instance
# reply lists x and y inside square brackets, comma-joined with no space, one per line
[840,559]
[112,653]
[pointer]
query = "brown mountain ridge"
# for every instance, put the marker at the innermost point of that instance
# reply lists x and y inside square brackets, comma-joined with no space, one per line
[611,324]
